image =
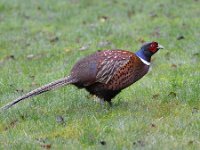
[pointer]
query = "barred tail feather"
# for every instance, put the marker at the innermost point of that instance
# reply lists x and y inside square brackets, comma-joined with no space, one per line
[42,89]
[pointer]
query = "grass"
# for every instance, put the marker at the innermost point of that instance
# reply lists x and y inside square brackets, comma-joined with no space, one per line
[41,40]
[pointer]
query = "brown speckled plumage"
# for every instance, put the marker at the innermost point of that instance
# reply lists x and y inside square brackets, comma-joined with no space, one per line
[108,72]
[104,73]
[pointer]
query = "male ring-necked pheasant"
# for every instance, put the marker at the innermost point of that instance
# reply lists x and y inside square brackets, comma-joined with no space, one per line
[104,73]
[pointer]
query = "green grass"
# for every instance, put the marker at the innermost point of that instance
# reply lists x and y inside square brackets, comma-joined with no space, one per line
[40,42]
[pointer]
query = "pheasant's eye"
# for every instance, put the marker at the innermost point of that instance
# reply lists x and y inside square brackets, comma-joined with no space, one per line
[153,47]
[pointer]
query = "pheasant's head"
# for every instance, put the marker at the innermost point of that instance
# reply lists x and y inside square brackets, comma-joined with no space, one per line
[151,47]
[148,49]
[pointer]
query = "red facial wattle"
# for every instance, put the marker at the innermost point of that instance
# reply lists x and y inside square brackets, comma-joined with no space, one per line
[153,47]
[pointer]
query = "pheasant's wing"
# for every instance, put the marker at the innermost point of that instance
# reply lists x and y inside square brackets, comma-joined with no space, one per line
[109,66]
[100,67]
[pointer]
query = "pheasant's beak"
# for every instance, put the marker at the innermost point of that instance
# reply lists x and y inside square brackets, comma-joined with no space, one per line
[160,46]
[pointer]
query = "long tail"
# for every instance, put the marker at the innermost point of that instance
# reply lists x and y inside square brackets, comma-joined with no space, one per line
[42,89]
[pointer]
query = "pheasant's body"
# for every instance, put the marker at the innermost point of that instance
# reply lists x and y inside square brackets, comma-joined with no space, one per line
[104,73]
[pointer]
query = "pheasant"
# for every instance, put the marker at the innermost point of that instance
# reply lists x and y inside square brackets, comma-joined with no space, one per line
[104,73]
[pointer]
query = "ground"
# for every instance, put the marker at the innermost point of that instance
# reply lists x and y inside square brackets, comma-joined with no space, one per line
[41,40]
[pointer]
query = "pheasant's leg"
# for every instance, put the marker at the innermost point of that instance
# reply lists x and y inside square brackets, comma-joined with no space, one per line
[101,102]
[110,103]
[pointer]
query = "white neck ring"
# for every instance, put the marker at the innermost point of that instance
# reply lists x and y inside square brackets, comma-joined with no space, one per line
[144,61]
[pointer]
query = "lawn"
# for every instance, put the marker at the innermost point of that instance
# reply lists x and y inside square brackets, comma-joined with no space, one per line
[41,40]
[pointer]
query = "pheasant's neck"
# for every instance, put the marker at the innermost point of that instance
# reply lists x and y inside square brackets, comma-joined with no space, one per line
[144,58]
